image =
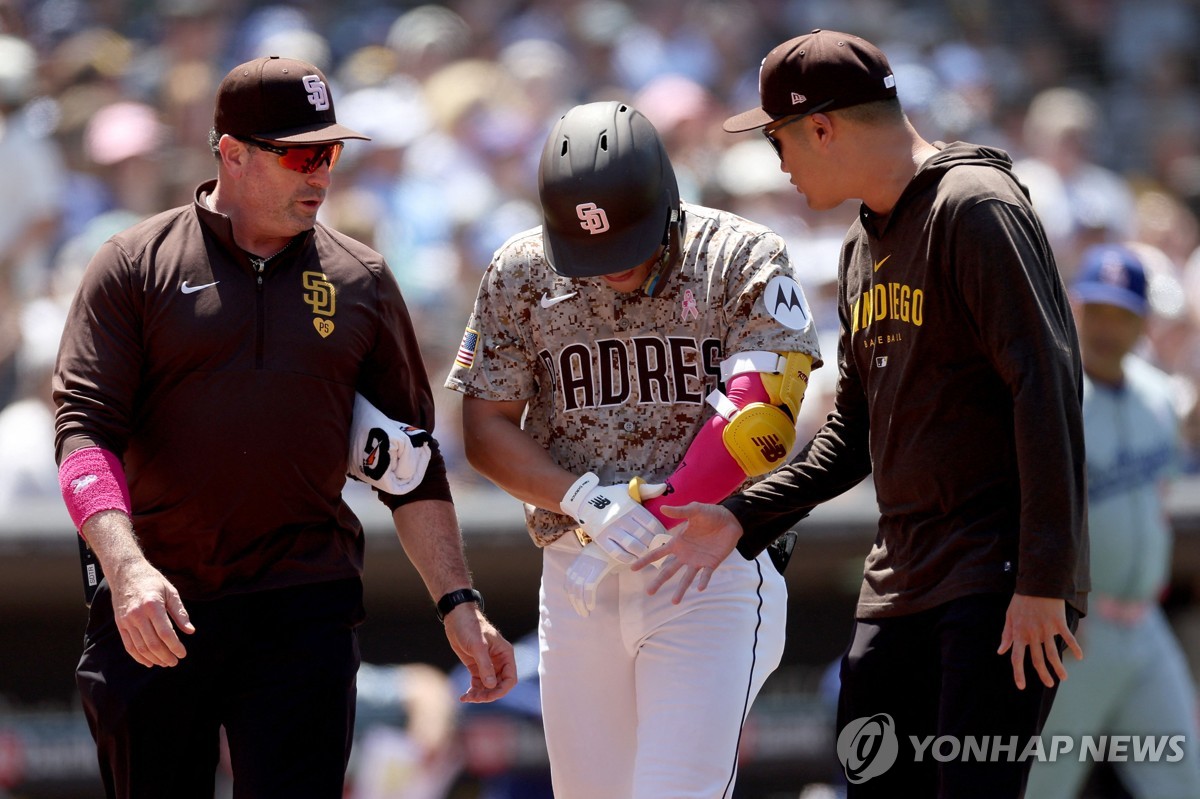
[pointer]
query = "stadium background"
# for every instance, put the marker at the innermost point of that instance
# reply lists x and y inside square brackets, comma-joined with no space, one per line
[104,112]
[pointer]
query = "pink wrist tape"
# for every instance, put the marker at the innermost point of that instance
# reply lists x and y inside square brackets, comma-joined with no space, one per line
[92,479]
[708,473]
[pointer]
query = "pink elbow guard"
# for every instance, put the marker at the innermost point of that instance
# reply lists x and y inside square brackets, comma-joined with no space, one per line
[91,480]
[708,473]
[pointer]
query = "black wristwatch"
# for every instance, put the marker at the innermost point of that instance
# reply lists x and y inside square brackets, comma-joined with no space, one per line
[455,598]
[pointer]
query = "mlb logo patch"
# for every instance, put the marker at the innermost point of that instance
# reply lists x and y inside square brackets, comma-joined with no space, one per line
[466,350]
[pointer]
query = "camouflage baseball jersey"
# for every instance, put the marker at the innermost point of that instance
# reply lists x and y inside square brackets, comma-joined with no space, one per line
[616,382]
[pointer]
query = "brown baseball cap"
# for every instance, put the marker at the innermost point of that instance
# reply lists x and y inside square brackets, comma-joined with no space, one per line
[819,71]
[278,99]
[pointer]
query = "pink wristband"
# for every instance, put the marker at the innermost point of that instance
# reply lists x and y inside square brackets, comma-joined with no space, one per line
[92,479]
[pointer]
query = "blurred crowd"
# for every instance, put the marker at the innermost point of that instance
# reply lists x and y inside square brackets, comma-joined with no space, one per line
[105,108]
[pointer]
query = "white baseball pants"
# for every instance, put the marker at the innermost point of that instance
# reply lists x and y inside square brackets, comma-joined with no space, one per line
[645,699]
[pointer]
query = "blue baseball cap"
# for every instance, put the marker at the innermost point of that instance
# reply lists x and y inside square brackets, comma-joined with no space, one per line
[1110,274]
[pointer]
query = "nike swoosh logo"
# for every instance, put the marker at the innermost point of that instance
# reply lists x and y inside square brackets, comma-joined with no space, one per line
[881,263]
[548,301]
[186,289]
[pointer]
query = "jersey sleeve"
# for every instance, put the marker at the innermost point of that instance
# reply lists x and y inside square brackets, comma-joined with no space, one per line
[494,361]
[1018,305]
[394,378]
[101,357]
[765,307]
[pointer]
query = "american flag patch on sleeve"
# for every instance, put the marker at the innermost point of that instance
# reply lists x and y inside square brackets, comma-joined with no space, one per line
[466,350]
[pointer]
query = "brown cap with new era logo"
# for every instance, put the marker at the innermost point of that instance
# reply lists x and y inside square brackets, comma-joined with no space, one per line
[278,99]
[819,71]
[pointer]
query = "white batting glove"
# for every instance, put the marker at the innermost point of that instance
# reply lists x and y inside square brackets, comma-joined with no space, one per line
[613,517]
[585,573]
[389,455]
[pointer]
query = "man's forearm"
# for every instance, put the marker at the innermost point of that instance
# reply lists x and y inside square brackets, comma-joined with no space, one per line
[429,532]
[505,454]
[110,536]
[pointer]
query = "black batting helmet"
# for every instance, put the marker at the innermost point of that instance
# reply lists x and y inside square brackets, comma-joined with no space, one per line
[609,195]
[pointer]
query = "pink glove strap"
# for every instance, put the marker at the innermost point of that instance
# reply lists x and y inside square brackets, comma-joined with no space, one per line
[92,479]
[708,473]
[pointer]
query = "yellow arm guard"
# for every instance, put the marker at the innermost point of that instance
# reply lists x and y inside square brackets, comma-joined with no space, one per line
[760,435]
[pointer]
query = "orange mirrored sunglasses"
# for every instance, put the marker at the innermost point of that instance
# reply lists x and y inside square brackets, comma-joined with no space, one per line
[304,158]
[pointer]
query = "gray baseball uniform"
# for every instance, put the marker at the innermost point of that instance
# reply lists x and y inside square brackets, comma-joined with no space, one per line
[616,384]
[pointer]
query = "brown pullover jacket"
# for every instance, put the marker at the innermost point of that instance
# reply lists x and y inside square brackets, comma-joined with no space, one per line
[226,389]
[959,388]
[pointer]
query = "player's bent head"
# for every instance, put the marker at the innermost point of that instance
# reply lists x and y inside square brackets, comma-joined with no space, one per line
[610,201]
